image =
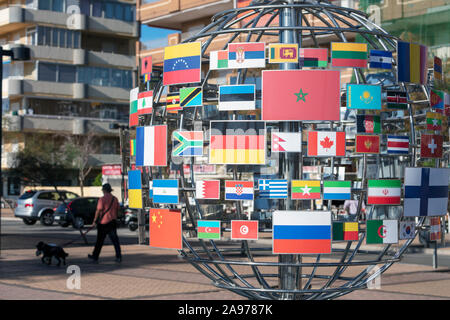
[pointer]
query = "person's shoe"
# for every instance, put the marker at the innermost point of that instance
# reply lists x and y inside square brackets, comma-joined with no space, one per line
[119,259]
[92,258]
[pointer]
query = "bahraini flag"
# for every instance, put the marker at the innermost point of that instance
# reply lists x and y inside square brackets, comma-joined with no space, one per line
[165,228]
[207,189]
[382,231]
[384,192]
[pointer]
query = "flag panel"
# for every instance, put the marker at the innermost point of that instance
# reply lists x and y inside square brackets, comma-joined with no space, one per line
[367,144]
[244,229]
[182,63]
[283,53]
[363,96]
[326,144]
[165,229]
[207,189]
[246,55]
[286,141]
[313,57]
[187,143]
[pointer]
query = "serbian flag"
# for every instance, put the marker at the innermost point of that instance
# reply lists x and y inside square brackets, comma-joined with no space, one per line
[151,146]
[326,144]
[246,55]
[207,189]
[367,144]
[165,229]
[301,232]
[244,229]
[182,63]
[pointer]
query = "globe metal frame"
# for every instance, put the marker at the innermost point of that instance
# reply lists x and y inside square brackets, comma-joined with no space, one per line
[293,27]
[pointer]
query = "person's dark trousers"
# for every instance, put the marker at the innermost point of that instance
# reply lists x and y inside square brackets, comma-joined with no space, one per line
[109,229]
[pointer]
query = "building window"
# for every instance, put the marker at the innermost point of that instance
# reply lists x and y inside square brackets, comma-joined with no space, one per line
[96,9]
[109,10]
[67,74]
[55,37]
[69,43]
[31,36]
[13,186]
[44,4]
[47,72]
[62,38]
[58,5]
[85,7]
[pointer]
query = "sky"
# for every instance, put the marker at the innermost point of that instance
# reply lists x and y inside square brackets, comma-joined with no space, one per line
[154,35]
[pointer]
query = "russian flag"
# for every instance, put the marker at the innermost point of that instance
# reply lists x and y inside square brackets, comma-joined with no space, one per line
[247,55]
[301,232]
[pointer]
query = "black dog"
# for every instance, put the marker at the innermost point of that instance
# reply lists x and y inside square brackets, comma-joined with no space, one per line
[49,251]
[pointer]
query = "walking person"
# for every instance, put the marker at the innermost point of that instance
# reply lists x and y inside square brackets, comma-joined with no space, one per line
[105,220]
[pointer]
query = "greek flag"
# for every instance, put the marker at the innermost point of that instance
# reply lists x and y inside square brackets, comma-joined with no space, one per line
[273,189]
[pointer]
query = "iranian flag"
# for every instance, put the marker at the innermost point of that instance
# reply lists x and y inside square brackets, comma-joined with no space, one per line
[382,231]
[384,192]
[326,144]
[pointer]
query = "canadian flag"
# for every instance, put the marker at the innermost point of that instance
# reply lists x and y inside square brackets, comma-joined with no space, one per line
[326,144]
[207,189]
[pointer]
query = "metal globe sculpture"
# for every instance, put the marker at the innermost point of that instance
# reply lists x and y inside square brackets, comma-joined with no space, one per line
[249,268]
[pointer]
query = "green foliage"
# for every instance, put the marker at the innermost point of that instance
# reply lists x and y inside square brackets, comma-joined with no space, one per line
[98,180]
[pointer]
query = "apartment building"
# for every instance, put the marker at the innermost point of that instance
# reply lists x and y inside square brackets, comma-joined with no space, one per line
[83,64]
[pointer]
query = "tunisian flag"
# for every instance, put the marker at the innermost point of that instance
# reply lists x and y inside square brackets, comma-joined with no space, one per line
[296,95]
[244,229]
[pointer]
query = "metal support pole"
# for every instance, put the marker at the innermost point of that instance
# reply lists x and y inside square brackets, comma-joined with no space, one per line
[435,256]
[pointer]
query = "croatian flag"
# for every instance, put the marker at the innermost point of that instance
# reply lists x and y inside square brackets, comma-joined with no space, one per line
[238,190]
[426,192]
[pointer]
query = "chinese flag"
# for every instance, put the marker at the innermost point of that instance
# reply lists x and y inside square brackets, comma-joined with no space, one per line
[165,229]
[431,146]
[244,229]
[146,65]
[367,144]
[300,95]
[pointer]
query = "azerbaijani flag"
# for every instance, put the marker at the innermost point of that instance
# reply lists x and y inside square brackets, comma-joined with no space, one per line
[305,189]
[411,62]
[346,231]
[208,229]
[384,192]
[346,54]
[182,63]
[337,190]
[134,119]
[301,232]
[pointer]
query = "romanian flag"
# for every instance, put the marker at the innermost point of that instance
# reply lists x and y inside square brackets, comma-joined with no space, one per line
[412,62]
[182,63]
[305,189]
[134,189]
[134,119]
[283,53]
[346,231]
[208,229]
[165,229]
[345,54]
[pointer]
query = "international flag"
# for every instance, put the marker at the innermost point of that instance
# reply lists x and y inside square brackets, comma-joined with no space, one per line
[431,145]
[301,232]
[337,190]
[151,146]
[437,99]
[134,189]
[208,229]
[237,142]
[437,69]
[313,57]
[165,229]
[273,189]
[446,104]
[382,231]
[367,143]
[345,231]
[426,192]
[435,229]
[146,65]
[238,190]
[326,144]
[364,96]
[191,97]
[300,95]
[247,55]
[434,121]
[397,144]
[411,62]
[134,119]
[207,189]
[187,143]
[384,192]
[305,189]
[396,100]
[244,229]
[218,60]
[346,54]
[145,102]
[380,59]
[368,124]
[132,147]
[283,53]
[165,191]
[407,230]
[237,97]
[286,141]
[173,102]
[182,63]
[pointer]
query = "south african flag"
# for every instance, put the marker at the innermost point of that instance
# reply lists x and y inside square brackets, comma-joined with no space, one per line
[187,143]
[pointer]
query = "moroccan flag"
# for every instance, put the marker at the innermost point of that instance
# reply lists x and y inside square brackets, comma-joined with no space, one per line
[313,57]
[363,96]
[437,99]
[165,229]
[145,102]
[134,189]
[368,124]
[132,147]
[367,144]
[437,69]
[208,229]
[305,189]
[244,229]
[173,102]
[151,146]
[218,60]
[382,231]
[191,97]
[345,231]
[431,146]
[134,119]
[247,55]
[146,65]
[346,54]
[296,95]
[187,143]
[384,192]
[286,141]
[207,189]
[411,62]
[396,100]
[182,63]
[326,144]
[283,53]
[434,121]
[237,142]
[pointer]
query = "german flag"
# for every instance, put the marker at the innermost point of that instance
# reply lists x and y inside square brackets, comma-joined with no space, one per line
[237,142]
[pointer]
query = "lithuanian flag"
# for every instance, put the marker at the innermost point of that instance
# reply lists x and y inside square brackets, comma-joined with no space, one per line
[345,54]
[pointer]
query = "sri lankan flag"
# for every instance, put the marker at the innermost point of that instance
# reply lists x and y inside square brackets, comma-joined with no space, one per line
[434,121]
[283,53]
[344,54]
[346,231]
[191,97]
[173,102]
[305,189]
[237,142]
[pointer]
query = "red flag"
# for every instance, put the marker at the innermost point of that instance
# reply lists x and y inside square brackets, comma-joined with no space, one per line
[431,146]
[367,144]
[146,65]
[207,189]
[244,229]
[165,229]
[326,144]
[290,95]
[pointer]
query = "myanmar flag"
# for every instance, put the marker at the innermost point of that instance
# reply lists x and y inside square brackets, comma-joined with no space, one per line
[345,54]
[434,121]
[165,228]
[305,189]
[347,231]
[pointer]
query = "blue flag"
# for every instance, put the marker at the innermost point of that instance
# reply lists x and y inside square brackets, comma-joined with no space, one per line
[165,191]
[363,96]
[380,59]
[273,189]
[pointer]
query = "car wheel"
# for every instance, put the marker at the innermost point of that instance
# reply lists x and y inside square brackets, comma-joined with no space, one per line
[29,222]
[47,218]
[78,222]
[132,226]
[64,225]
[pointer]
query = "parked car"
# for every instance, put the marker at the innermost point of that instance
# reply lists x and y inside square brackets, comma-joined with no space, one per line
[131,219]
[36,205]
[78,212]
